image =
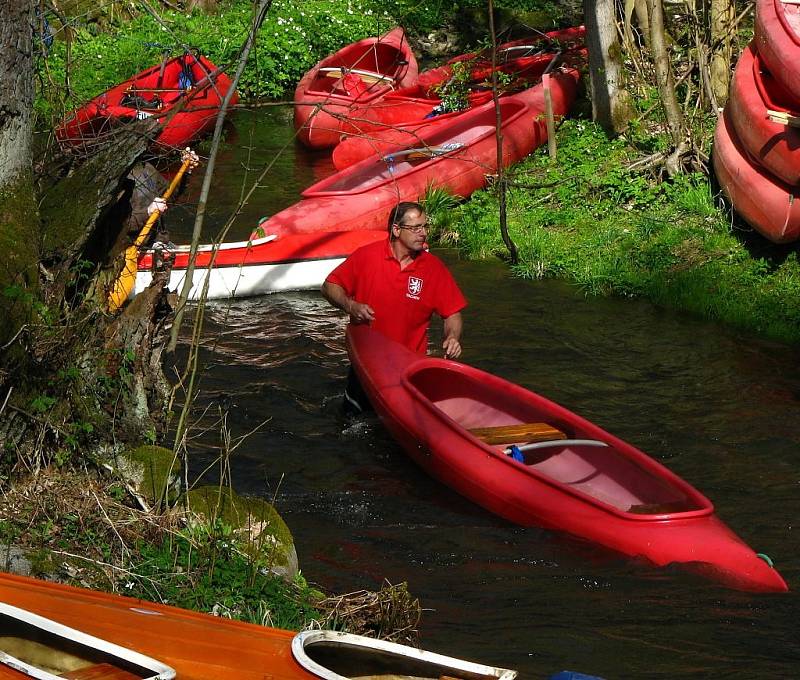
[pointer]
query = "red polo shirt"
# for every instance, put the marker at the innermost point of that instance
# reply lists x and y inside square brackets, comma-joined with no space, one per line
[403,301]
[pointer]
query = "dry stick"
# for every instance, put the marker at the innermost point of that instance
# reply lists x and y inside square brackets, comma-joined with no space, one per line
[5,401]
[191,366]
[549,118]
[125,551]
[501,179]
[263,7]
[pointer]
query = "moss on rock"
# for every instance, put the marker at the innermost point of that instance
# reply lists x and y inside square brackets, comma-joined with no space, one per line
[261,530]
[153,471]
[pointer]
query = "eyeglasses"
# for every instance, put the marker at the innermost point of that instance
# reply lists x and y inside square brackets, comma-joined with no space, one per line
[414,228]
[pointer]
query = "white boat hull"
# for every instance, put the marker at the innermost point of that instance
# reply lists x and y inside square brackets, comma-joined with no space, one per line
[247,280]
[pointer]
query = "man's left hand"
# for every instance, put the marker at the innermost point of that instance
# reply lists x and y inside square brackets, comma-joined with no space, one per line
[157,205]
[452,348]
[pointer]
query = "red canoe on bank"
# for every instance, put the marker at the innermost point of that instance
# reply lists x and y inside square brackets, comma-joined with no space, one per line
[53,631]
[184,94]
[457,423]
[767,204]
[356,75]
[417,107]
[775,146]
[777,39]
[299,246]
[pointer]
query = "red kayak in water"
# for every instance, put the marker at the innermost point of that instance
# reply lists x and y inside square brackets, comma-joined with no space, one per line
[356,75]
[184,94]
[536,463]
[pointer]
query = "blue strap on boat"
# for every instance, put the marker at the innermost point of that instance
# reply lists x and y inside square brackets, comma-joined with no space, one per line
[185,77]
[437,110]
[515,453]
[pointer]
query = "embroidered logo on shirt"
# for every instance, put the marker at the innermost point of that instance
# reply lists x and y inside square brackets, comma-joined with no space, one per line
[414,287]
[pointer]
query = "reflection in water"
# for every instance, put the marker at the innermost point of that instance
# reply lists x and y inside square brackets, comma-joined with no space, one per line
[718,407]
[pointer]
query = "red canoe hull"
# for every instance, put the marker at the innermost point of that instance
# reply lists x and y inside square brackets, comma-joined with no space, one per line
[299,246]
[767,204]
[387,121]
[375,145]
[774,146]
[185,115]
[777,39]
[609,493]
[323,103]
[291,261]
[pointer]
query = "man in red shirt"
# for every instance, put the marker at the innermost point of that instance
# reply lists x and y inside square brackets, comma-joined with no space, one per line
[395,286]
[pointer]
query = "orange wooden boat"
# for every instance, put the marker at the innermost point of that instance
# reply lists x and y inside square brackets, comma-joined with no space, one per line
[52,631]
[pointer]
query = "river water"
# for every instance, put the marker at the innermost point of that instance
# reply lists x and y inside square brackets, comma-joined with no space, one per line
[718,407]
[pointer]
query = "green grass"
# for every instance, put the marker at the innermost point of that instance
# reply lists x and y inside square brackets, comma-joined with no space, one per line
[210,573]
[589,220]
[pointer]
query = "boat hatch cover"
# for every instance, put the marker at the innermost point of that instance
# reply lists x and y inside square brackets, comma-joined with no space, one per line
[339,656]
[26,627]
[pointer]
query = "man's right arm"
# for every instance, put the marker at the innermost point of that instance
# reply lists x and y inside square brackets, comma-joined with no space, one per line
[359,312]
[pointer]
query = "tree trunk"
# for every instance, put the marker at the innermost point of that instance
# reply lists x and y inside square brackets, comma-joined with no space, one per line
[666,87]
[643,18]
[638,9]
[722,20]
[19,233]
[611,106]
[70,373]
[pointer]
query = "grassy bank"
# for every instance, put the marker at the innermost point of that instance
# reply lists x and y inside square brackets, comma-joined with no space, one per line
[93,51]
[81,527]
[588,219]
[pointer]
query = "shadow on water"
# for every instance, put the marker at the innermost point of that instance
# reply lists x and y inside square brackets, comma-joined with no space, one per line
[720,408]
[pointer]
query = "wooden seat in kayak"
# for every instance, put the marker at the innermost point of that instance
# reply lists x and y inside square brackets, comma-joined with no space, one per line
[519,432]
[100,671]
[366,76]
[667,508]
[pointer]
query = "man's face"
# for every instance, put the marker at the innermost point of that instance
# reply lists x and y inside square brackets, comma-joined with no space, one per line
[412,230]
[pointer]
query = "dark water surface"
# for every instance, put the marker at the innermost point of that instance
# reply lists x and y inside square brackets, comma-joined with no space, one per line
[719,408]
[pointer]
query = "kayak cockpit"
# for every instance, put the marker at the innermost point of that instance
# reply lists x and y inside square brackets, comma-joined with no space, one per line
[34,646]
[604,473]
[362,73]
[341,656]
[552,442]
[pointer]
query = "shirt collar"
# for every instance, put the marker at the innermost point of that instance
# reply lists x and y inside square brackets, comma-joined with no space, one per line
[389,255]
